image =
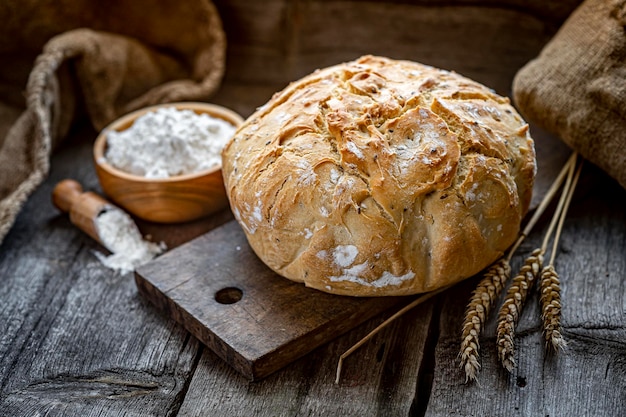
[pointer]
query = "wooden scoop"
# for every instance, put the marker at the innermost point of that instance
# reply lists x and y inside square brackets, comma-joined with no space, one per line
[83,207]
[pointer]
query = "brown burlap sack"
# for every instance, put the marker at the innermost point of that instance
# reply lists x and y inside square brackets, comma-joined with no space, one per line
[102,58]
[576,88]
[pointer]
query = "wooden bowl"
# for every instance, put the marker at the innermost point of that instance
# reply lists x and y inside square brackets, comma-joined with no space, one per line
[164,200]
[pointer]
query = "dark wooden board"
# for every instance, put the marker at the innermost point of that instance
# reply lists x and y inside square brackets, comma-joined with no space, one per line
[273,323]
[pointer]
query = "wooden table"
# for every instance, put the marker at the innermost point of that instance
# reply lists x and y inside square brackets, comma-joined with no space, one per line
[76,339]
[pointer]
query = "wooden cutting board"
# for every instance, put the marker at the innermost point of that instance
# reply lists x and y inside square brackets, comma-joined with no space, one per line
[258,322]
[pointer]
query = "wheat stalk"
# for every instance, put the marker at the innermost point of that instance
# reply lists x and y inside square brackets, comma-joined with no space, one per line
[490,287]
[550,287]
[381,326]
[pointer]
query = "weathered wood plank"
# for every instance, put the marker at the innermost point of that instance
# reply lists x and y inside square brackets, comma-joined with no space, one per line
[76,339]
[585,379]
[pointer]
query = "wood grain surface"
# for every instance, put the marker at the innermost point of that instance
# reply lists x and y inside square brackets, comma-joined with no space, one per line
[77,339]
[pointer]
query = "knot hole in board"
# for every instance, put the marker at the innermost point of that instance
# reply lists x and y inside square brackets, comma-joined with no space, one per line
[228,295]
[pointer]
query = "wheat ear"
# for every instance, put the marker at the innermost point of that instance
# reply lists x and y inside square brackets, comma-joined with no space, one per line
[483,298]
[551,308]
[512,307]
[490,287]
[550,285]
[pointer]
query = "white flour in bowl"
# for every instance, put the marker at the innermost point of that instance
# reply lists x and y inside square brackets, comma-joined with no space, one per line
[169,142]
[120,235]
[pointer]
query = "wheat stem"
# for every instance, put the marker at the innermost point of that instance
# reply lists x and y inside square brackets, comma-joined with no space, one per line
[557,213]
[563,214]
[384,324]
[547,199]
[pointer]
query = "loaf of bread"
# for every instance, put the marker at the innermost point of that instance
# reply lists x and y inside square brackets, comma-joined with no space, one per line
[381,177]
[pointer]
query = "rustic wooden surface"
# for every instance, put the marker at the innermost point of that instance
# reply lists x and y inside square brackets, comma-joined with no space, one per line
[78,339]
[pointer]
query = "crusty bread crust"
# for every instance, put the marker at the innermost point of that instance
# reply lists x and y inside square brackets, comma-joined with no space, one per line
[381,177]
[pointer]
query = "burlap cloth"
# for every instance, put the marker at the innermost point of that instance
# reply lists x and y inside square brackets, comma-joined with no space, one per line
[576,87]
[62,59]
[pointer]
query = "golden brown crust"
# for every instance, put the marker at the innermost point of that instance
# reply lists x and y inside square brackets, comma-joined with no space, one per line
[380,177]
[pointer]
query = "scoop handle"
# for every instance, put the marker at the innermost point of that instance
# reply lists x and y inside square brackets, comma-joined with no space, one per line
[83,207]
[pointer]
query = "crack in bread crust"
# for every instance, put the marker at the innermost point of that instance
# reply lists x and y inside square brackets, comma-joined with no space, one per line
[423,174]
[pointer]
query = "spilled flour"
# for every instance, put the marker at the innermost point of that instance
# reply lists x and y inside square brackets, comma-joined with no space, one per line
[120,235]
